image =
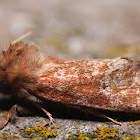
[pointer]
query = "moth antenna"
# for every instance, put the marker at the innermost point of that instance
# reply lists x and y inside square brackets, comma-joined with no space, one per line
[21,37]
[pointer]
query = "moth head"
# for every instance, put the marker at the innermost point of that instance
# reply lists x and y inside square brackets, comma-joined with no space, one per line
[17,65]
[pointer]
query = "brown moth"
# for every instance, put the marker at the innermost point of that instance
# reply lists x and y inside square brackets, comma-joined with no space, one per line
[33,80]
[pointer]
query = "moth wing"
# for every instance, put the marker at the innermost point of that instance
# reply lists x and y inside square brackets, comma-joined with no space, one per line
[102,84]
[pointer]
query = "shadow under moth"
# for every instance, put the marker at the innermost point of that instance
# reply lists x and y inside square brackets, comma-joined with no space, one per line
[33,79]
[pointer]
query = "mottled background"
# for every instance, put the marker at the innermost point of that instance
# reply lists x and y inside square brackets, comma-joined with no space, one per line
[73,29]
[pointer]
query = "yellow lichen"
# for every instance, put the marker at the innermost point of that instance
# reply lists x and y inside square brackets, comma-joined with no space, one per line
[6,136]
[135,122]
[55,126]
[38,131]
[124,137]
[84,124]
[81,136]
[104,132]
[4,113]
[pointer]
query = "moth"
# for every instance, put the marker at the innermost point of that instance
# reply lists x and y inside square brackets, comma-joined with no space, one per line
[33,80]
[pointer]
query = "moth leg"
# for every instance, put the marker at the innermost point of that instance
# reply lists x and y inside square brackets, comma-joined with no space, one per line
[99,114]
[11,115]
[49,116]
[104,116]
